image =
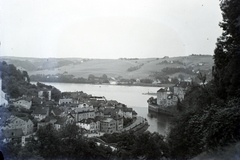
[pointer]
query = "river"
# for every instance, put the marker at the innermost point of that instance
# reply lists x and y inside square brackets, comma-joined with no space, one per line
[130,95]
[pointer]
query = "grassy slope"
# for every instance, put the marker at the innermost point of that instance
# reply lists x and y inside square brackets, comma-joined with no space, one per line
[117,67]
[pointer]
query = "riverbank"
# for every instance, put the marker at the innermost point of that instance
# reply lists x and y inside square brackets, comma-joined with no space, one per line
[131,96]
[99,84]
[138,125]
[170,111]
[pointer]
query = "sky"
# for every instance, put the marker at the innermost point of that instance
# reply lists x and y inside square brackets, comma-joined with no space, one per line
[109,29]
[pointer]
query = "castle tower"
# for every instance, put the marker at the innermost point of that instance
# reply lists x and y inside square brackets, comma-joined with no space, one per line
[49,95]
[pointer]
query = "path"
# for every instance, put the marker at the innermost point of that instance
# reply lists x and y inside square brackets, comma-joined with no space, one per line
[138,121]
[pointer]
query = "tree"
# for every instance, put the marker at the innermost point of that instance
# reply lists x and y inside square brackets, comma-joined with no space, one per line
[56,94]
[25,74]
[91,77]
[49,142]
[227,53]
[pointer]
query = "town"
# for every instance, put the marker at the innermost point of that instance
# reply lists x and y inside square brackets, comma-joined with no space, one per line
[21,117]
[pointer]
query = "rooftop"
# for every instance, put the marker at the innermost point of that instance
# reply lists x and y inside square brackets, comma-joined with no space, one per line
[41,110]
[13,133]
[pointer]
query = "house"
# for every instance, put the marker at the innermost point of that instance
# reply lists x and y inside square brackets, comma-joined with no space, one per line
[12,134]
[127,112]
[157,81]
[24,103]
[65,101]
[108,125]
[112,103]
[70,118]
[22,123]
[111,112]
[40,113]
[171,100]
[36,101]
[46,121]
[90,124]
[108,112]
[45,94]
[180,89]
[3,99]
[61,121]
[25,139]
[83,111]
[124,111]
[84,105]
[99,113]
[166,98]
[119,122]
[161,95]
[98,98]
[134,114]
[57,112]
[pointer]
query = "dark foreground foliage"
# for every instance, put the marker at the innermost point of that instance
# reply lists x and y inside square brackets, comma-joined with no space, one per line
[136,146]
[211,116]
[68,143]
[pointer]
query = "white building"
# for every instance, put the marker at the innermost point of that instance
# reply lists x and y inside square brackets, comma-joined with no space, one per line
[23,103]
[66,101]
[3,101]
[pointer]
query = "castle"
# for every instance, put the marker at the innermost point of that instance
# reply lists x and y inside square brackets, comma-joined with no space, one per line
[166,97]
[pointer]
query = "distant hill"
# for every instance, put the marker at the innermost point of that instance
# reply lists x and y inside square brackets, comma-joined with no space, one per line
[127,68]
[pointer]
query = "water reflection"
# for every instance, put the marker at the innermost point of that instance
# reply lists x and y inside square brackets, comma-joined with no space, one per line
[158,122]
[163,121]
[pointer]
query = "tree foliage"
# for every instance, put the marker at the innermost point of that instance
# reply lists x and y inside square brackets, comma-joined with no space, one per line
[227,53]
[14,82]
[210,118]
[136,146]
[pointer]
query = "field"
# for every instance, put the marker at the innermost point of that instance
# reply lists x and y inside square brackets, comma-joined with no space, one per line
[142,68]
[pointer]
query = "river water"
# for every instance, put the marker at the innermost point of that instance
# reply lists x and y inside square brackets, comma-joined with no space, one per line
[130,95]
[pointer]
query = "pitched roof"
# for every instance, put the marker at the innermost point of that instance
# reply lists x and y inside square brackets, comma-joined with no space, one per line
[48,119]
[24,118]
[41,110]
[110,111]
[24,98]
[61,120]
[87,121]
[56,111]
[134,112]
[84,110]
[13,118]
[98,118]
[12,133]
[70,115]
[127,109]
[107,120]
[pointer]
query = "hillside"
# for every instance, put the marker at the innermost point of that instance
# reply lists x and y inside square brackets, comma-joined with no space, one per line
[127,68]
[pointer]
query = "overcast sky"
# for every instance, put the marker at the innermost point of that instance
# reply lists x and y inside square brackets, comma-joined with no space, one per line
[108,28]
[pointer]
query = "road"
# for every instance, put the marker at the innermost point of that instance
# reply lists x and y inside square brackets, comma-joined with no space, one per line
[138,121]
